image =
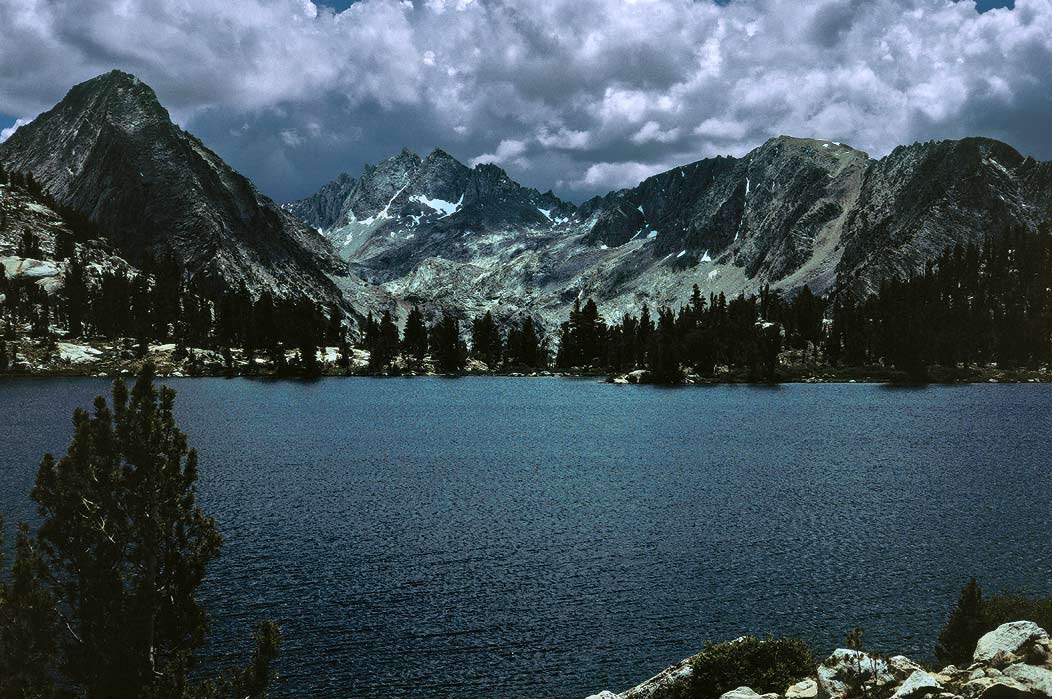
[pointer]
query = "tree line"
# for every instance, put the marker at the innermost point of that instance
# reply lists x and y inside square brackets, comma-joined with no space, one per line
[522,345]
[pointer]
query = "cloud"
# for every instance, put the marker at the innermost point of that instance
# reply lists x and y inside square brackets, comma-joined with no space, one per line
[10,130]
[508,151]
[588,92]
[608,176]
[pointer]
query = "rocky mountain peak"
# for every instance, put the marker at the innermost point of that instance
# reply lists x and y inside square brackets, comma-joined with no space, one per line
[110,151]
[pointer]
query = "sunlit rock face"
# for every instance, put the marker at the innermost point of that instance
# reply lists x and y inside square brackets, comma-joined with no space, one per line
[792,212]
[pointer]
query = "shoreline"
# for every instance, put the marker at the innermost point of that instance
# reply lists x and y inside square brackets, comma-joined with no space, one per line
[98,358]
[978,378]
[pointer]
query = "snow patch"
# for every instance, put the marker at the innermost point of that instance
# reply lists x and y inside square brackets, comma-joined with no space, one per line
[714,273]
[652,234]
[681,254]
[446,208]
[705,257]
[546,213]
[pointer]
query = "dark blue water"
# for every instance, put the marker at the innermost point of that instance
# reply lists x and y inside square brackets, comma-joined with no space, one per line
[550,537]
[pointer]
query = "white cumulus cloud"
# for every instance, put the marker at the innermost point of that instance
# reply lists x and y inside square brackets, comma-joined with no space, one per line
[589,92]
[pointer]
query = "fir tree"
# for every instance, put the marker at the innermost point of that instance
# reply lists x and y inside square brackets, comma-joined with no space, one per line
[29,246]
[76,292]
[447,349]
[29,625]
[958,638]
[125,548]
[384,347]
[414,336]
[486,343]
[664,358]
[525,346]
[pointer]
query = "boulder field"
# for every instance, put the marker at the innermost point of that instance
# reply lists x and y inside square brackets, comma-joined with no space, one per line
[1014,661]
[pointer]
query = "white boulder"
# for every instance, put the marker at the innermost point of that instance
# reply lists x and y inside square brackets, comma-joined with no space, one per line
[1014,637]
[606,694]
[995,688]
[917,685]
[740,693]
[846,668]
[1036,679]
[806,689]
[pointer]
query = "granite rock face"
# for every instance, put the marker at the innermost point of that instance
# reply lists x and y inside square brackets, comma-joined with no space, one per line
[790,213]
[110,151]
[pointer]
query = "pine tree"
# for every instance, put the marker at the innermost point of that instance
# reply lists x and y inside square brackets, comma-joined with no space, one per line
[958,638]
[525,346]
[486,343]
[664,359]
[29,246]
[414,337]
[29,625]
[308,350]
[76,293]
[126,546]
[334,332]
[384,347]
[64,245]
[5,362]
[447,349]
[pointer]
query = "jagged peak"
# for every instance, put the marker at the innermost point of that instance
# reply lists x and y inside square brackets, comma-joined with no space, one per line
[439,154]
[403,161]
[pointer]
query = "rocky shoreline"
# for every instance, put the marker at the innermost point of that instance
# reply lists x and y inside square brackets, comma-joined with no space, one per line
[122,357]
[1014,661]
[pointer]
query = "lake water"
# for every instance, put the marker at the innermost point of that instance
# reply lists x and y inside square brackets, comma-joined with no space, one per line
[500,537]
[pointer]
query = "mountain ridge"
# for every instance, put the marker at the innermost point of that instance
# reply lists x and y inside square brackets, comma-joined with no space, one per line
[791,212]
[436,232]
[110,150]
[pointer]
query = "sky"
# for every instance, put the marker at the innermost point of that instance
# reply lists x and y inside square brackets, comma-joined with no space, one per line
[578,96]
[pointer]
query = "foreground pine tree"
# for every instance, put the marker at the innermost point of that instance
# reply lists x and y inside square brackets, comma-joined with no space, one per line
[123,547]
[966,624]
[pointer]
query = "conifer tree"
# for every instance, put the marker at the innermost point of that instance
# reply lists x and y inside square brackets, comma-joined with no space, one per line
[76,292]
[447,349]
[664,359]
[486,343]
[414,337]
[525,346]
[958,638]
[384,347]
[125,547]
[29,625]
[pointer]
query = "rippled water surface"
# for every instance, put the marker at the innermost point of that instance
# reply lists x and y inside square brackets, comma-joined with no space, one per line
[552,537]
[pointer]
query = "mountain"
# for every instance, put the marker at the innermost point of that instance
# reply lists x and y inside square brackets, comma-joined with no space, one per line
[791,212]
[110,151]
[434,231]
[32,235]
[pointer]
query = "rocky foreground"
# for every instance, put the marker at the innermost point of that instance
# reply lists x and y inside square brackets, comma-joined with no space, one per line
[1014,661]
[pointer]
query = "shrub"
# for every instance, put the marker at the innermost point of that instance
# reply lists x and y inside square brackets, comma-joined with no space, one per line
[1001,609]
[973,616]
[768,665]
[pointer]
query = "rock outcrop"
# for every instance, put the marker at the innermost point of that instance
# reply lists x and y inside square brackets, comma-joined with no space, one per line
[1011,662]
